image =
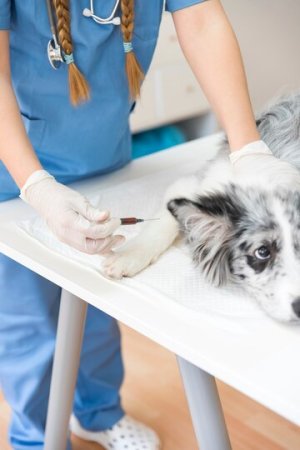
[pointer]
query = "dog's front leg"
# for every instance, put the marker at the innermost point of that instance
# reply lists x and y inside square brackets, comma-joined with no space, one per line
[144,249]
[155,238]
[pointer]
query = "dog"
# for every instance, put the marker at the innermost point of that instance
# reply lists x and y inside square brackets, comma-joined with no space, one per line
[242,229]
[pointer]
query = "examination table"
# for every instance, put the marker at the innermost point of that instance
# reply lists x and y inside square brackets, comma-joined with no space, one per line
[222,335]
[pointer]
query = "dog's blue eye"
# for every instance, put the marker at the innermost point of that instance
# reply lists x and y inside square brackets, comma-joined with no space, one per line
[262,252]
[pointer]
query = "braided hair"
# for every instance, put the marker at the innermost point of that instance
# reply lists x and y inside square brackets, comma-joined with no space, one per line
[78,86]
[79,89]
[134,72]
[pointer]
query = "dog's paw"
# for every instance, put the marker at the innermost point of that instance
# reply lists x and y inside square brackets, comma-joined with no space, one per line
[127,262]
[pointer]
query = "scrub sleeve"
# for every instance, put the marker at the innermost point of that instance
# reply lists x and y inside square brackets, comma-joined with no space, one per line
[29,303]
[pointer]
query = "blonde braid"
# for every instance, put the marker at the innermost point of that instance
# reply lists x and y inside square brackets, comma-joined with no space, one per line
[134,71]
[79,89]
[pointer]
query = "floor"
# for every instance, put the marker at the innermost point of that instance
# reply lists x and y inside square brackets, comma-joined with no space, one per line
[152,392]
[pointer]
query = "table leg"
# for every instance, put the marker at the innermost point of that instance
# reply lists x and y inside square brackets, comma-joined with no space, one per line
[70,330]
[205,407]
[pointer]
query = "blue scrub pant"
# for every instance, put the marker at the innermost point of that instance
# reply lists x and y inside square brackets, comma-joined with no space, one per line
[29,306]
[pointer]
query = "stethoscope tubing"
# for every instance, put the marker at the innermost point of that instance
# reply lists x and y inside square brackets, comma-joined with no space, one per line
[51,21]
[100,19]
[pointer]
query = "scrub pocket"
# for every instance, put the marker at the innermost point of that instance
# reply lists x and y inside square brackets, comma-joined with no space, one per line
[35,129]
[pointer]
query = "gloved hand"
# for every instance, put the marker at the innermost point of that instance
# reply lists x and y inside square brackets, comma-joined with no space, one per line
[69,215]
[256,163]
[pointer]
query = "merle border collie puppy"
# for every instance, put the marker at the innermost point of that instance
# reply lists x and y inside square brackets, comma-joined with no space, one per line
[241,229]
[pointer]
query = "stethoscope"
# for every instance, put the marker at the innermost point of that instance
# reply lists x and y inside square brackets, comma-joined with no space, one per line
[111,19]
[54,51]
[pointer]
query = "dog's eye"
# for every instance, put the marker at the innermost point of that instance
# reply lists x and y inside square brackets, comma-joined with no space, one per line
[262,252]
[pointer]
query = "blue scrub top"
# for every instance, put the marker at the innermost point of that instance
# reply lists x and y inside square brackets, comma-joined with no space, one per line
[94,138]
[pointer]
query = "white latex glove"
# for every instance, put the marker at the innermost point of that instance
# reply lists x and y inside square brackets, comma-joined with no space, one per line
[256,163]
[69,215]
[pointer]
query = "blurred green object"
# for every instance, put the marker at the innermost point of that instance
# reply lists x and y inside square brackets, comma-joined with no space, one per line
[155,140]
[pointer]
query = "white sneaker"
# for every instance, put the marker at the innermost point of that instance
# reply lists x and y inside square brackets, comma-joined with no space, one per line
[127,434]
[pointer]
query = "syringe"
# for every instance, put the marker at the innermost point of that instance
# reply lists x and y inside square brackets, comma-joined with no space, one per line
[133,220]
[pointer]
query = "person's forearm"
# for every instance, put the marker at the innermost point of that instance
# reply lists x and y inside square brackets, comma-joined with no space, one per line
[16,151]
[211,48]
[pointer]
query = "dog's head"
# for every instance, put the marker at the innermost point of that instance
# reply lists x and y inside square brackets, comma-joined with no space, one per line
[247,237]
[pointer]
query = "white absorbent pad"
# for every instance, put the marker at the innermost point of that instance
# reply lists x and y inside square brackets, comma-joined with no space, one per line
[174,274]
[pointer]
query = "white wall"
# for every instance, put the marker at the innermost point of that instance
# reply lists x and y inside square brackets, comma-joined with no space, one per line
[269,35]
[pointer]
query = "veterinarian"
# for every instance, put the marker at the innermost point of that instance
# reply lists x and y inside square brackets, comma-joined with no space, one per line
[51,135]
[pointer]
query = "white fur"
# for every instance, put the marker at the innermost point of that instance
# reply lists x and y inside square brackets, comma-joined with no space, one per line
[287,287]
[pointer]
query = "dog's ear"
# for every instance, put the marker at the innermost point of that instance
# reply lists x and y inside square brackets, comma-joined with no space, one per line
[208,225]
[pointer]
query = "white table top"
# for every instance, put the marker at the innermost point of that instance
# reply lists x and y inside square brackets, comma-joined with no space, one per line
[258,357]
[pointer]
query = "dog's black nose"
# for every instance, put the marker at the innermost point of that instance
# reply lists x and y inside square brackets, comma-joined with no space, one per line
[296,306]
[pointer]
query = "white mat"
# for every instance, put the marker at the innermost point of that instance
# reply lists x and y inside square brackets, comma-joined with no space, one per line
[173,275]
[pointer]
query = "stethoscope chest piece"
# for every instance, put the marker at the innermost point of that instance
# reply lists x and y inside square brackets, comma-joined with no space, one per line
[54,54]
